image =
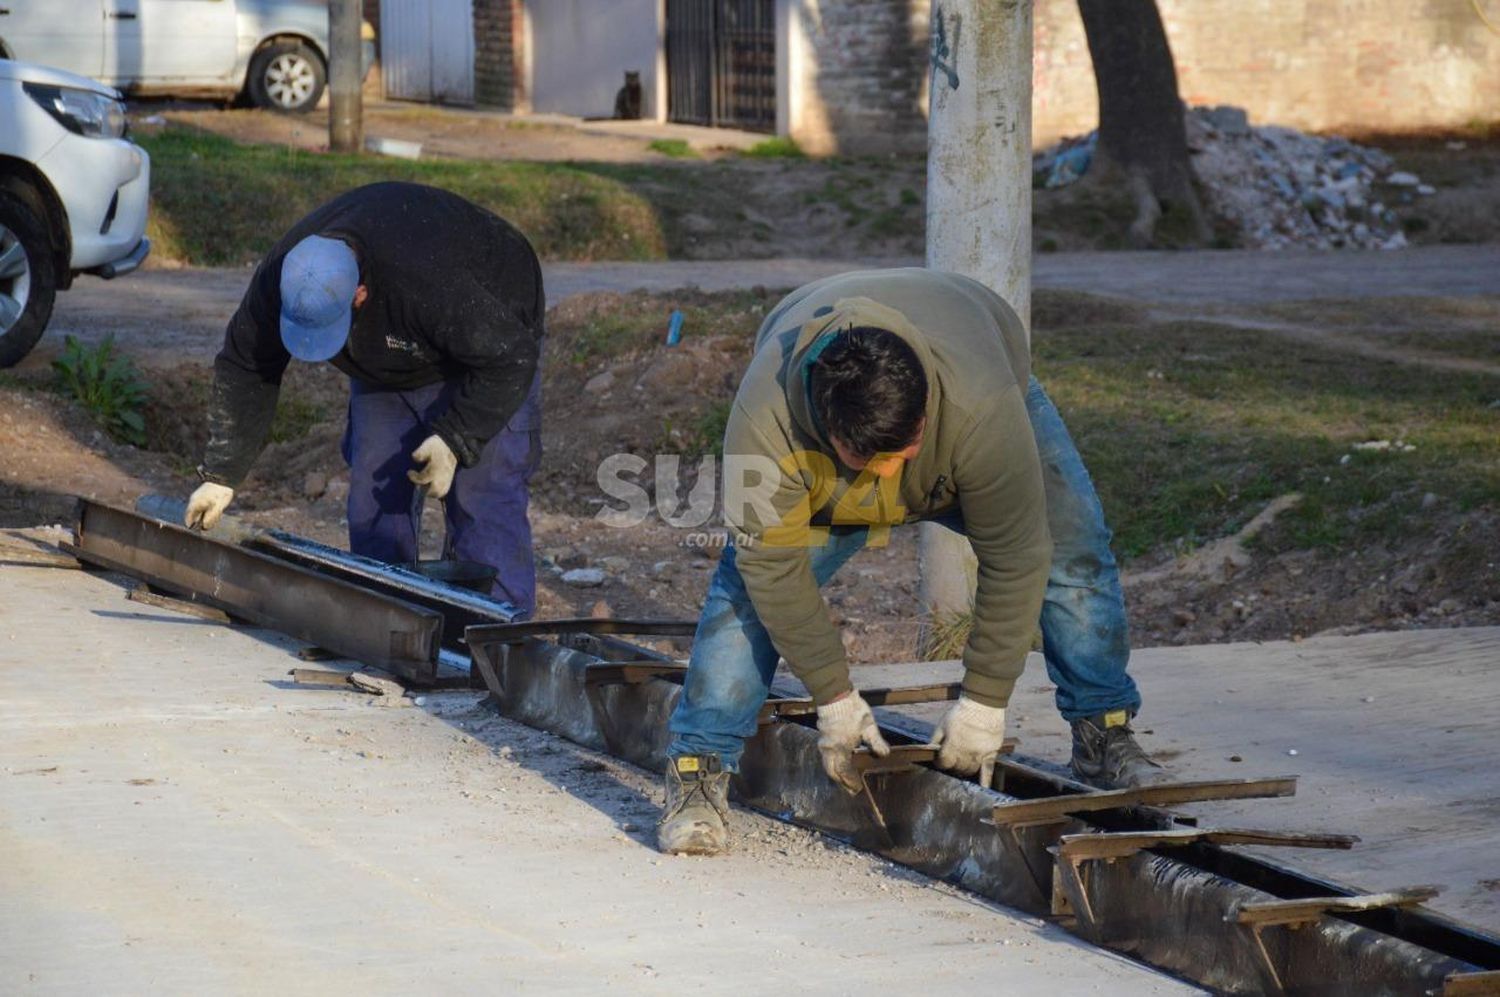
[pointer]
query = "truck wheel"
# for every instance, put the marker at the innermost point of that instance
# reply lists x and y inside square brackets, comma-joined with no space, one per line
[286,76]
[28,279]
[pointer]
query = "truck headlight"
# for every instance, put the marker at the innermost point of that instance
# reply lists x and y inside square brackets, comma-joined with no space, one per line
[82,112]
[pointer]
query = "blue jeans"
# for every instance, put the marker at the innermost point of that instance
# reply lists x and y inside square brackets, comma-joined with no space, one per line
[485,510]
[1084,635]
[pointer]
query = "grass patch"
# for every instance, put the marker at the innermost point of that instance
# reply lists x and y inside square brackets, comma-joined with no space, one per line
[780,147]
[675,147]
[216,202]
[1473,345]
[1188,429]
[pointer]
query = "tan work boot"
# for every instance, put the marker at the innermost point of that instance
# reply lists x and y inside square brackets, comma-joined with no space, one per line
[695,818]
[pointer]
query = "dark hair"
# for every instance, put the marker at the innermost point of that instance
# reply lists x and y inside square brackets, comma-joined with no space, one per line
[869,390]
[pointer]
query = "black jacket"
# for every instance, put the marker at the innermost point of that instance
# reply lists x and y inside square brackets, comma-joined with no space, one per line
[455,294]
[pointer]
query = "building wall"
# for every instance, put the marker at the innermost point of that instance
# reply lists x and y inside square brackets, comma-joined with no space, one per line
[857,72]
[580,50]
[494,64]
[856,78]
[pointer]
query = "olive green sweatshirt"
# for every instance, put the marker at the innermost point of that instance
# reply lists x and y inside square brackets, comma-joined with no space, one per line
[978,457]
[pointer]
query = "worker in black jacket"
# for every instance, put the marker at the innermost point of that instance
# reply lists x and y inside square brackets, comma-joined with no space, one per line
[433,306]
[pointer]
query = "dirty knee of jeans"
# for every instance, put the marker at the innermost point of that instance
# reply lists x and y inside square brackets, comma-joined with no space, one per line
[731,693]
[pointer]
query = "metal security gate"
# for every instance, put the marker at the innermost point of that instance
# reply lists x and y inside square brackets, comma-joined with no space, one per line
[721,63]
[427,50]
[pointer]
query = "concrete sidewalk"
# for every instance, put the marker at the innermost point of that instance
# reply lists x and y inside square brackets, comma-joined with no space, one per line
[175,818]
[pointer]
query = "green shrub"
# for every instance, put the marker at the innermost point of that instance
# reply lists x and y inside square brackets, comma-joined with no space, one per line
[107,385]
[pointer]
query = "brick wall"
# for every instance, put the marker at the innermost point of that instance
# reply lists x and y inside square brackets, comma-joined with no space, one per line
[1321,65]
[859,72]
[494,65]
[862,84]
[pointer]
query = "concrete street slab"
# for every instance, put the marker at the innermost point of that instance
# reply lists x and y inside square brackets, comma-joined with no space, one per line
[176,817]
[1391,734]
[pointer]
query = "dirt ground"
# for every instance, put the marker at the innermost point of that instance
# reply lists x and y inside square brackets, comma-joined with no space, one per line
[612,388]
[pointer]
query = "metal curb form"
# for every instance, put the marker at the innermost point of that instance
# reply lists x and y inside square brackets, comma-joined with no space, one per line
[348,619]
[1112,867]
[1152,896]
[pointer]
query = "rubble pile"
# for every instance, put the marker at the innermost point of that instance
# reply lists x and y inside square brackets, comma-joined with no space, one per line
[1278,188]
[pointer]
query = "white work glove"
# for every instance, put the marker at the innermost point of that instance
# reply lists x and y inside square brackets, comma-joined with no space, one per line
[206,505]
[970,736]
[437,466]
[842,727]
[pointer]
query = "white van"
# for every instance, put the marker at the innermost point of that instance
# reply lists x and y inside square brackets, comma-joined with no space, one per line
[274,52]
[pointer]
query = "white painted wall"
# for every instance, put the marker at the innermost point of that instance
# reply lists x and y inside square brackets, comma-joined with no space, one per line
[579,51]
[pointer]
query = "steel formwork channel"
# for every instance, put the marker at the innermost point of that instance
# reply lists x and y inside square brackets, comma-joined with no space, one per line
[1164,908]
[347,619]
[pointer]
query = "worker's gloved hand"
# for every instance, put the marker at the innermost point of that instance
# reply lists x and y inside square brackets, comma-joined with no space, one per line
[437,466]
[970,736]
[842,726]
[206,505]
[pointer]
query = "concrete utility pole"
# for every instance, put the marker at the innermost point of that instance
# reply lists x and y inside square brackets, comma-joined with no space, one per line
[978,203]
[346,112]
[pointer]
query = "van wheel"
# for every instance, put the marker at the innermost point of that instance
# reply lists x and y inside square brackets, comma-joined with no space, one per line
[286,76]
[28,279]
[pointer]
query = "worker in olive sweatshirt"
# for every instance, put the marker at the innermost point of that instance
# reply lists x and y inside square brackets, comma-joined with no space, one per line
[876,399]
[434,308]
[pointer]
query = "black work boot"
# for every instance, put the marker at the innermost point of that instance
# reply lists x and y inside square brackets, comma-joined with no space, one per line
[694,820]
[1105,753]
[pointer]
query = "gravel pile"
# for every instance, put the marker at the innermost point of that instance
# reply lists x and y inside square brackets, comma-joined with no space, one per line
[1278,188]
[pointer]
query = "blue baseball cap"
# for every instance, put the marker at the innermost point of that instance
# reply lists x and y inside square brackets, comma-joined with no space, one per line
[318,280]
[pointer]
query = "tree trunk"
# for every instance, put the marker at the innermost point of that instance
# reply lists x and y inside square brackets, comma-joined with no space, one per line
[1142,139]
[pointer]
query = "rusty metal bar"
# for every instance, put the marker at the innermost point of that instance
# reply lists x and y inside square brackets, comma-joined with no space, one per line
[143,595]
[1309,909]
[513,633]
[631,672]
[1055,809]
[1122,844]
[1472,985]
[354,622]
[801,706]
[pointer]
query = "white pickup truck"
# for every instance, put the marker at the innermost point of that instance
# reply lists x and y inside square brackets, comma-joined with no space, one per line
[273,52]
[73,194]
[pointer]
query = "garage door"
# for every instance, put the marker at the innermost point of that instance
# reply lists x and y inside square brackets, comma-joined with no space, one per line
[721,63]
[427,50]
